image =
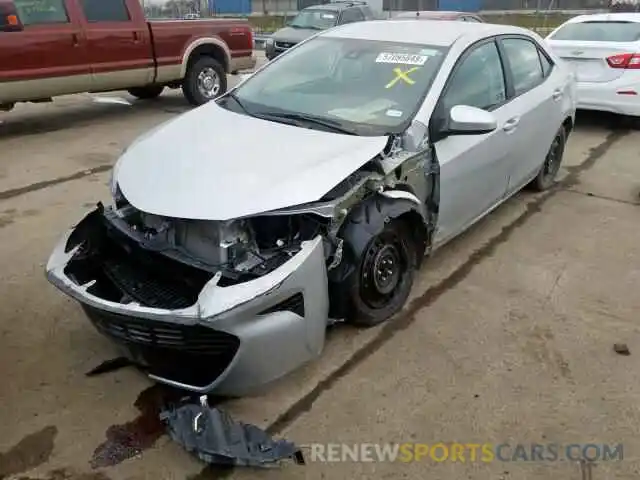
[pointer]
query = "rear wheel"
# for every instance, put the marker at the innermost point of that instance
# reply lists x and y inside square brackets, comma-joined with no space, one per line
[382,281]
[549,169]
[205,80]
[147,93]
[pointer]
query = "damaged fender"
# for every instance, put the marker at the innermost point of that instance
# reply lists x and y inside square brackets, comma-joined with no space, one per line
[365,222]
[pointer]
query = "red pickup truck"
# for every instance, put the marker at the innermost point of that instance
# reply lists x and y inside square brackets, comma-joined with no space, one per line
[59,47]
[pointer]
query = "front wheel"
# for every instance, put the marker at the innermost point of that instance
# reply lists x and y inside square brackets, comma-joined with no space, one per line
[382,281]
[205,80]
[549,169]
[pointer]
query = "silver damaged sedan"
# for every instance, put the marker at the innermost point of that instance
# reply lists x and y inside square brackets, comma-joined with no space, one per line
[310,193]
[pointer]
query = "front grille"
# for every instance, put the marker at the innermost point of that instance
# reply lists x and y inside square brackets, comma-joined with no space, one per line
[284,45]
[190,354]
[192,338]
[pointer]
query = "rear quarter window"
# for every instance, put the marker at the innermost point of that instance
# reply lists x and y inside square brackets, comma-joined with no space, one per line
[599,31]
[39,12]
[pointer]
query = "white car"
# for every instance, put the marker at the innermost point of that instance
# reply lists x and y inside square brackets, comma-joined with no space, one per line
[604,51]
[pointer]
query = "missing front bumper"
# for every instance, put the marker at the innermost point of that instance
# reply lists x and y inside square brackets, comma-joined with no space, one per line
[228,340]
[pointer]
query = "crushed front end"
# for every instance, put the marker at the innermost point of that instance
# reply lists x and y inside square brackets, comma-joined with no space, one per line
[207,306]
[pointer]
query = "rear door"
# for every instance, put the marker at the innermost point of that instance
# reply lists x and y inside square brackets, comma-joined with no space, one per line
[48,57]
[587,45]
[537,98]
[118,43]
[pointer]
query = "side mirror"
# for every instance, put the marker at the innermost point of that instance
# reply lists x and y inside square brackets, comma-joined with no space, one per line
[466,120]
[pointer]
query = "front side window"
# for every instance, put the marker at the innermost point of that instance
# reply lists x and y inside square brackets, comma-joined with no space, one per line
[105,10]
[39,12]
[371,87]
[524,60]
[315,19]
[599,31]
[478,81]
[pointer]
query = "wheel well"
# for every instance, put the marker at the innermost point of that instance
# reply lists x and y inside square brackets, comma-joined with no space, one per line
[414,223]
[567,125]
[209,50]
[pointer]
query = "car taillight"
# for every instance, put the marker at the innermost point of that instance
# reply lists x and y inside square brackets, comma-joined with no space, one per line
[625,60]
[250,35]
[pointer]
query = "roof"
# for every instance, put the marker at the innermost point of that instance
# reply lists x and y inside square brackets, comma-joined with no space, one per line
[337,5]
[439,14]
[600,17]
[443,33]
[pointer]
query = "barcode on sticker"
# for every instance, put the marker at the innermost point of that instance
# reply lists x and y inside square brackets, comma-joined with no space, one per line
[403,58]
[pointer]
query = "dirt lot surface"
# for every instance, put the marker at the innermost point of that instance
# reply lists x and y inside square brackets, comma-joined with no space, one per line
[508,337]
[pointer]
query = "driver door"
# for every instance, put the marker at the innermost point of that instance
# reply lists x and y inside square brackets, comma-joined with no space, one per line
[474,169]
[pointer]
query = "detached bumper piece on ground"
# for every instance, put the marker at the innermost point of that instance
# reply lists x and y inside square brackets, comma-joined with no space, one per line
[217,439]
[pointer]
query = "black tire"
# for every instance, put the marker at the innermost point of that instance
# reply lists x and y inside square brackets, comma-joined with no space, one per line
[192,82]
[549,170]
[374,296]
[147,93]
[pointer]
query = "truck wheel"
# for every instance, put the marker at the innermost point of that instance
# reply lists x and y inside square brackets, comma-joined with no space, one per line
[147,93]
[205,80]
[383,277]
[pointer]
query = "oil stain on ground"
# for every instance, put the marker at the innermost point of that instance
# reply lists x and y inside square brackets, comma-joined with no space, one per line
[30,452]
[132,438]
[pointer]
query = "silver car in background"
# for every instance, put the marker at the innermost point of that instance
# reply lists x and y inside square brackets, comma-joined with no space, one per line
[311,192]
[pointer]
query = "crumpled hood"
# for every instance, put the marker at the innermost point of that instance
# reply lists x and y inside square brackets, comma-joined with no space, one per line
[213,164]
[294,35]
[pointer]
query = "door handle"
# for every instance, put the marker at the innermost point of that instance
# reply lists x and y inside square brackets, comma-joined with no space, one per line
[557,94]
[136,37]
[511,124]
[75,39]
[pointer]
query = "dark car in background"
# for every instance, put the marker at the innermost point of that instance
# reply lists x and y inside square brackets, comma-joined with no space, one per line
[439,15]
[311,20]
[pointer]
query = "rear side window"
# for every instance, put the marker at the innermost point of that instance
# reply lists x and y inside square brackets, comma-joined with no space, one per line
[524,59]
[352,15]
[546,64]
[105,10]
[599,31]
[41,12]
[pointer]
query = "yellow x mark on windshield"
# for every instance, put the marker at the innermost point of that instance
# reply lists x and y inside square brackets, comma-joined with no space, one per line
[402,75]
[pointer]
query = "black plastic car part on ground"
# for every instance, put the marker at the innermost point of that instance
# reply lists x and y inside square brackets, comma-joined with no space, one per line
[216,438]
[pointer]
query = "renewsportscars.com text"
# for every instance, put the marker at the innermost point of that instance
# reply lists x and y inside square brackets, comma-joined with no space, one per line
[464,452]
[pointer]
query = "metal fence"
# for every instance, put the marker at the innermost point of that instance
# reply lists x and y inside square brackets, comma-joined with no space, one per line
[291,6]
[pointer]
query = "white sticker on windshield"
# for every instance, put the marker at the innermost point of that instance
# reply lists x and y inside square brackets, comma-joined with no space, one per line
[402,58]
[328,16]
[394,113]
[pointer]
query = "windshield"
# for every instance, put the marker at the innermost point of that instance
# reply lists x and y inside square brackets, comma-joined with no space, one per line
[603,31]
[368,87]
[315,18]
